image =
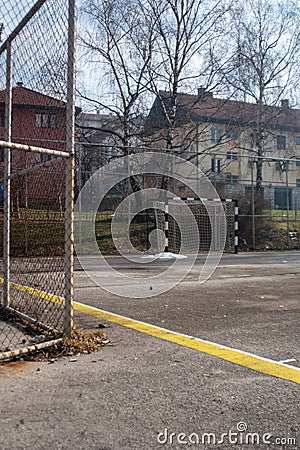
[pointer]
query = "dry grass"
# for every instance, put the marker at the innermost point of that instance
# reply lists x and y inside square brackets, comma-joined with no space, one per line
[83,342]
[80,342]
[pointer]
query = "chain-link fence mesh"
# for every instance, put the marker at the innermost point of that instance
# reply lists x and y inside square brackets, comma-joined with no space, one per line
[269,216]
[208,232]
[37,239]
[40,47]
[268,220]
[36,185]
[93,159]
[12,13]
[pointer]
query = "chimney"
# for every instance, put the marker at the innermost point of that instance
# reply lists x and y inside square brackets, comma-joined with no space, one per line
[203,94]
[285,104]
[201,91]
[20,83]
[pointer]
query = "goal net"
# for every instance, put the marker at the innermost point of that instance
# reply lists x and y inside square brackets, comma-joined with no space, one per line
[198,229]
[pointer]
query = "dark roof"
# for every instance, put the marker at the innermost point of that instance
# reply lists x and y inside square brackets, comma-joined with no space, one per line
[192,108]
[97,128]
[96,120]
[25,96]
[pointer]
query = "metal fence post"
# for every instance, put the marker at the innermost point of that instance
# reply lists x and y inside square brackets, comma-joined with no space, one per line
[286,166]
[7,170]
[79,181]
[253,206]
[69,211]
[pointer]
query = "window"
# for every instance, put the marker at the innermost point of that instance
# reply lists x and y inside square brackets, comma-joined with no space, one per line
[282,166]
[215,165]
[231,178]
[298,163]
[38,120]
[2,119]
[232,133]
[45,120]
[53,121]
[254,139]
[231,156]
[41,157]
[298,182]
[281,142]
[297,139]
[215,136]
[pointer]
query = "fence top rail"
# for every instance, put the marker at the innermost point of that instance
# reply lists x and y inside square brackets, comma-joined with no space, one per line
[22,24]
[32,149]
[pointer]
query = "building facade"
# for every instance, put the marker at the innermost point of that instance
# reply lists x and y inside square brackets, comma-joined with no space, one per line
[228,139]
[37,120]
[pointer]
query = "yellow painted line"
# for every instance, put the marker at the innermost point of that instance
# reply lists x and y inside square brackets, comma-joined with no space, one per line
[243,359]
[234,356]
[36,293]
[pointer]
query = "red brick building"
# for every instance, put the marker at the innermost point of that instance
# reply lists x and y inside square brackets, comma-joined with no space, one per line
[37,120]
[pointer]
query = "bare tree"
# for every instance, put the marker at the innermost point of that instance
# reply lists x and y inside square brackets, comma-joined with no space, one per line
[263,69]
[117,37]
[185,33]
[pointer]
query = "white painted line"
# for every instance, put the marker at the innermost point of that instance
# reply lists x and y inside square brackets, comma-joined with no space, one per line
[238,357]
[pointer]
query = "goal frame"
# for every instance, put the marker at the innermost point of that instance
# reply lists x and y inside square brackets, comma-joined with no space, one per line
[186,199]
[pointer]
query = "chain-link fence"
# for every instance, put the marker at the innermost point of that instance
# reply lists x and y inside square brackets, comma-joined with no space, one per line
[269,218]
[269,214]
[93,169]
[37,164]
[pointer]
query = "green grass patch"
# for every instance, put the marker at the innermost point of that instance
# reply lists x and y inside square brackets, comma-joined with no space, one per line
[138,234]
[35,236]
[281,214]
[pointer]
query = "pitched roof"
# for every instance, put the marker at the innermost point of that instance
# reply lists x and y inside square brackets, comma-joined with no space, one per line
[206,108]
[25,96]
[96,120]
[97,128]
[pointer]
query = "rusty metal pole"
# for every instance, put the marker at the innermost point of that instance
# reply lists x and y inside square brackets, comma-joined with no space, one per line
[7,170]
[69,210]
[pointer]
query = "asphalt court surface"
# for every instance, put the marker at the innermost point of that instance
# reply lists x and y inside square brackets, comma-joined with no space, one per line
[143,392]
[251,303]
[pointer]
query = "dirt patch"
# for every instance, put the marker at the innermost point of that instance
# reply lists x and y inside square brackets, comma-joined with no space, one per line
[13,367]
